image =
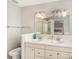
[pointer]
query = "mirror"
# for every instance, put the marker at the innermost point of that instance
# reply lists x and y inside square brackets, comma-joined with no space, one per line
[43,23]
[58,23]
[59,27]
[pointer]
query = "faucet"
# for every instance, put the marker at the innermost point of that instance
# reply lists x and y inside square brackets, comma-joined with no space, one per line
[58,39]
[50,37]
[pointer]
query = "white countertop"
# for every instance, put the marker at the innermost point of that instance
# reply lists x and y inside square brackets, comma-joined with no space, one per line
[67,41]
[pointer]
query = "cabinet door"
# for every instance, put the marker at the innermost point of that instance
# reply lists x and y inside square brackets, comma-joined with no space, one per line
[29,53]
[39,52]
[64,56]
[50,55]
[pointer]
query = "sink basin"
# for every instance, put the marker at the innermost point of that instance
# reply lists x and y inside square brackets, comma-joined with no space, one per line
[56,42]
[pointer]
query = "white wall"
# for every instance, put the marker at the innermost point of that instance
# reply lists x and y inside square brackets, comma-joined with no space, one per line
[14,19]
[28,12]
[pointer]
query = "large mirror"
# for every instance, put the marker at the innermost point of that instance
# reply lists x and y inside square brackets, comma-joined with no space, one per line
[42,23]
[58,23]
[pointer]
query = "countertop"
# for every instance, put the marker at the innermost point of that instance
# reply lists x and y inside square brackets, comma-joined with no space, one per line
[66,41]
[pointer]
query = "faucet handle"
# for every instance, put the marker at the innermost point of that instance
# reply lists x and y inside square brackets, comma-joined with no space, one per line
[50,37]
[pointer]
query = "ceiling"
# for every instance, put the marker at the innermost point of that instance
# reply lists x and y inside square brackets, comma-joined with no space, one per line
[23,3]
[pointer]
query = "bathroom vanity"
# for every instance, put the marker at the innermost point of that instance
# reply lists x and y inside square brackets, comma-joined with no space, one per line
[59,47]
[45,49]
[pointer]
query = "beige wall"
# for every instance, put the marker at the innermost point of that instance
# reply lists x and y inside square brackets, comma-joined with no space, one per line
[13,19]
[28,12]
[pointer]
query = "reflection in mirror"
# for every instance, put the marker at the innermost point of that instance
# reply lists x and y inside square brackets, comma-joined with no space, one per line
[58,27]
[57,23]
[43,23]
[60,16]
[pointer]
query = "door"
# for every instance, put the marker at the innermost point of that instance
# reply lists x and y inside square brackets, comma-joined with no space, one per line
[64,56]
[29,53]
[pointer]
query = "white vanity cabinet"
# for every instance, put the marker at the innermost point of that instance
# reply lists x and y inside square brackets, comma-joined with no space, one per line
[59,52]
[29,53]
[64,55]
[39,51]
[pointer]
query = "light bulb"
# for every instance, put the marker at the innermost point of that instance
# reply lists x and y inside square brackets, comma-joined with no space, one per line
[64,13]
[40,15]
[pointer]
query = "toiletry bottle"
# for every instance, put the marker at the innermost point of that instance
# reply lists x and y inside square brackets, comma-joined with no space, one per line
[38,35]
[34,36]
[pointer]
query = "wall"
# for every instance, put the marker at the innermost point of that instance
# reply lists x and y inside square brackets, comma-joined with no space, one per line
[13,19]
[29,12]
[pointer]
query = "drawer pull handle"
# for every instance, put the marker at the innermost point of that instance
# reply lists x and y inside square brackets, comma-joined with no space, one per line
[50,55]
[38,52]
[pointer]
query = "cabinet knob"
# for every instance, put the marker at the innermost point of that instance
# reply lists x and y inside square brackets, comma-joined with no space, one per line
[57,53]
[32,49]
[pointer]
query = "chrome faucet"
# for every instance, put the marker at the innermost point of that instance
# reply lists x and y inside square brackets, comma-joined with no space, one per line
[50,37]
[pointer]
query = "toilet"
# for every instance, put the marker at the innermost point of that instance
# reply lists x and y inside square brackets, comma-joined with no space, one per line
[15,53]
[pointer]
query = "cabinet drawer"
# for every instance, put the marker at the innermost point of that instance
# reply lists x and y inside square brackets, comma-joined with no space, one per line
[63,49]
[35,45]
[39,52]
[39,57]
[50,54]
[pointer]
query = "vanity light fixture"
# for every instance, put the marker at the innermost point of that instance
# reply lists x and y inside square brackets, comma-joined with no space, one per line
[65,13]
[40,15]
[56,13]
[60,13]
